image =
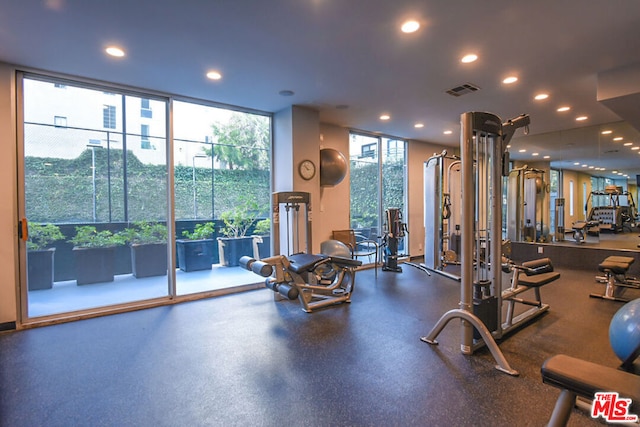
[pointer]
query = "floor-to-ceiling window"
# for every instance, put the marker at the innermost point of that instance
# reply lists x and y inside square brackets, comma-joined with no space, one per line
[222,194]
[95,195]
[378,182]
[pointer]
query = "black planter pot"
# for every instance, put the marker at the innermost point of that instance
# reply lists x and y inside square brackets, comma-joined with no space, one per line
[40,269]
[231,249]
[149,260]
[195,255]
[94,265]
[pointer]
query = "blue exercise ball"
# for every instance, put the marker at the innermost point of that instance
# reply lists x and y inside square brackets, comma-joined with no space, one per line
[624,329]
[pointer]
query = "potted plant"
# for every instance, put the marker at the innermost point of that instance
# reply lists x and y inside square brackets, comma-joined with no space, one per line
[195,251]
[94,253]
[235,243]
[40,256]
[262,239]
[148,243]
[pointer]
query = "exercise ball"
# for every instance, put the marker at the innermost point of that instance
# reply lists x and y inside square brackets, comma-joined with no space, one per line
[333,167]
[335,248]
[624,329]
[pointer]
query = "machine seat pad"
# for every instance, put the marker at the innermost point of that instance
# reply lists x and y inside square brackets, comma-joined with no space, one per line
[614,267]
[304,262]
[538,279]
[346,261]
[620,259]
[586,378]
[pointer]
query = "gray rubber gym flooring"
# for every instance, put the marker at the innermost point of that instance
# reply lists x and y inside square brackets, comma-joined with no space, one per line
[247,360]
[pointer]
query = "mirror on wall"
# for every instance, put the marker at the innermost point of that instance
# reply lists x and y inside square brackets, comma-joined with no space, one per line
[576,187]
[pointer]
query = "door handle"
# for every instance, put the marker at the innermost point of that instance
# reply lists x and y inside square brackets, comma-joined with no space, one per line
[23,229]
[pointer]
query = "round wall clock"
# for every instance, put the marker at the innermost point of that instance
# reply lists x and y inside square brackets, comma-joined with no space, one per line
[307,169]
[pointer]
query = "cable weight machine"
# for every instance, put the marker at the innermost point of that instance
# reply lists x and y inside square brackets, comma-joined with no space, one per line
[483,158]
[395,231]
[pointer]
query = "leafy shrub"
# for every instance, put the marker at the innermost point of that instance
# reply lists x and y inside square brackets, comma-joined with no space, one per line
[201,231]
[88,237]
[144,233]
[42,235]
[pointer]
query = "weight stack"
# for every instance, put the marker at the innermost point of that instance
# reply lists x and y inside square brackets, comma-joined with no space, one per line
[486,309]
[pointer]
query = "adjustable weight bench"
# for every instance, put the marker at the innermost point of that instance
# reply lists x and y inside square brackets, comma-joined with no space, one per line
[576,377]
[529,275]
[582,228]
[615,270]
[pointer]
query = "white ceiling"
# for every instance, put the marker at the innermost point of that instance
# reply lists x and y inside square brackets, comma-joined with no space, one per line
[351,53]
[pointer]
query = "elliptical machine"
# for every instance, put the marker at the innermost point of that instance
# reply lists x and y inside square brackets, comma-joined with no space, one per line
[394,231]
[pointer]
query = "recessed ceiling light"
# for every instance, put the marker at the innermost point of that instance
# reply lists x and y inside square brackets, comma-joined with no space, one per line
[626,144]
[214,75]
[546,157]
[581,118]
[563,109]
[522,150]
[114,51]
[606,132]
[385,117]
[618,138]
[635,148]
[418,125]
[448,132]
[584,166]
[535,154]
[469,58]
[541,96]
[410,26]
[592,167]
[509,80]
[576,163]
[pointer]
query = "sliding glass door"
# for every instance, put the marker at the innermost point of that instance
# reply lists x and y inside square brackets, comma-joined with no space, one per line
[95,181]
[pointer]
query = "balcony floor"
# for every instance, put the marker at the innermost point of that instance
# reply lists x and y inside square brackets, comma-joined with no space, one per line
[66,296]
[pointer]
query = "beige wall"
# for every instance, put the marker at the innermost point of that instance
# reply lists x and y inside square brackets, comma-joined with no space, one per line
[333,212]
[8,195]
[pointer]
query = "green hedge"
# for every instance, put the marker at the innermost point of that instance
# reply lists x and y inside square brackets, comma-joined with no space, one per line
[364,192]
[61,190]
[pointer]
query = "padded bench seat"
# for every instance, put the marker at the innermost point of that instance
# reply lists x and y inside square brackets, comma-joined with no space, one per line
[538,279]
[620,259]
[616,264]
[538,272]
[578,377]
[304,262]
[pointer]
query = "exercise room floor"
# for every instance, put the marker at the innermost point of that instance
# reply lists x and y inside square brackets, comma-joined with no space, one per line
[247,360]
